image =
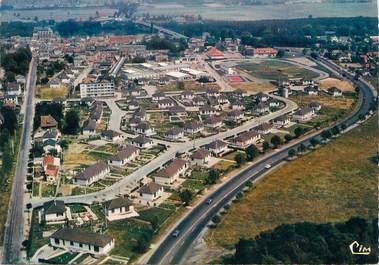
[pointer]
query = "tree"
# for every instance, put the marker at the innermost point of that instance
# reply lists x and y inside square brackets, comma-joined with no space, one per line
[335,130]
[240,158]
[186,196]
[280,53]
[301,148]
[71,122]
[266,146]
[299,131]
[276,141]
[10,120]
[291,153]
[239,196]
[213,176]
[252,152]
[288,137]
[314,142]
[216,219]
[326,134]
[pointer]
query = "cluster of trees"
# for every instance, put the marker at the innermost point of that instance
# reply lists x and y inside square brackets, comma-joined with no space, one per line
[157,43]
[250,154]
[291,32]
[8,132]
[91,28]
[69,122]
[47,69]
[309,243]
[15,63]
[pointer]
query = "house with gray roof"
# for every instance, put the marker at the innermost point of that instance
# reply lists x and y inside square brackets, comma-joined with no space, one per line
[76,240]
[53,212]
[119,208]
[92,174]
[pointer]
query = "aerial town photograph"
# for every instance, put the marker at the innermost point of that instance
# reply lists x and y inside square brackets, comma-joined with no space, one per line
[189,132]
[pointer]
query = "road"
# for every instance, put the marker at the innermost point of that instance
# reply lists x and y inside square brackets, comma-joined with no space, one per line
[162,30]
[13,235]
[119,187]
[171,249]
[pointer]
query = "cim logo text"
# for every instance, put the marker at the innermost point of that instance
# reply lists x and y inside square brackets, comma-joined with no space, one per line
[358,249]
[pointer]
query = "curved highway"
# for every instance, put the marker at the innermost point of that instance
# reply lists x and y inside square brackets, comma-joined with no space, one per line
[172,249]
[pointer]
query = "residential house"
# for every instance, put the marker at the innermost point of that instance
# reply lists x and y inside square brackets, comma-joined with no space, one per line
[335,92]
[174,134]
[262,97]
[246,139]
[201,157]
[187,95]
[92,174]
[89,127]
[208,110]
[158,96]
[171,173]
[76,240]
[124,156]
[281,121]
[53,212]
[165,103]
[235,115]
[199,101]
[119,208]
[142,141]
[263,128]
[112,136]
[193,127]
[13,89]
[48,122]
[150,192]
[177,111]
[145,129]
[303,114]
[315,105]
[213,122]
[217,147]
[311,91]
[262,108]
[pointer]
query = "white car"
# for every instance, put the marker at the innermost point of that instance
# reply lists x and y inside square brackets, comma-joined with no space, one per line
[267,166]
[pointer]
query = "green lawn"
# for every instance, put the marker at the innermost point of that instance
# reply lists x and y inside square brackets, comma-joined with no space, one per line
[128,234]
[63,259]
[161,213]
[276,70]
[35,236]
[193,185]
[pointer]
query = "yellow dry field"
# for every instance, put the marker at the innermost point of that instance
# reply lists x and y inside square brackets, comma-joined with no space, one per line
[332,184]
[254,87]
[325,101]
[334,82]
[75,156]
[45,92]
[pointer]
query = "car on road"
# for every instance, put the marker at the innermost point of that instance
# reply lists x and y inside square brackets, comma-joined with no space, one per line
[267,166]
[176,233]
[209,201]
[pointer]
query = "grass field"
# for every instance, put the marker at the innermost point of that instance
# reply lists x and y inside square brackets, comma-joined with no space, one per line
[332,184]
[345,86]
[275,70]
[45,92]
[254,87]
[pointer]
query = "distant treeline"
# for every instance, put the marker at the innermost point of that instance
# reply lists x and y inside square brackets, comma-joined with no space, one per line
[309,243]
[72,28]
[291,32]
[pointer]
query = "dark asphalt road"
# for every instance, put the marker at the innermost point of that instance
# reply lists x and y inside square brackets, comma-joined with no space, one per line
[172,249]
[13,235]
